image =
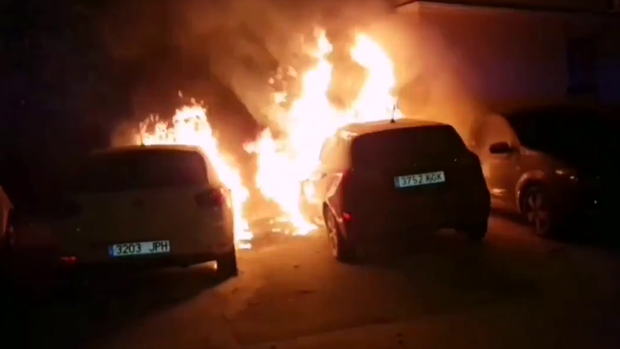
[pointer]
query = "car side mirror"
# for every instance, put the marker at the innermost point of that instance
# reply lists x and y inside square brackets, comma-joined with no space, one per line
[500,148]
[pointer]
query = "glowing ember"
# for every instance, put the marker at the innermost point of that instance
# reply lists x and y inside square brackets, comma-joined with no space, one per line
[284,163]
[190,126]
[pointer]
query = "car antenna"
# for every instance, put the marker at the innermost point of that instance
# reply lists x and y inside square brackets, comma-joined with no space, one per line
[393,118]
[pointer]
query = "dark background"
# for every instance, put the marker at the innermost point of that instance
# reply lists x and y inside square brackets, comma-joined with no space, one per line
[73,70]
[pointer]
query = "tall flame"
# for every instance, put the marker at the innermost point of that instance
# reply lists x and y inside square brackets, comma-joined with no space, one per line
[285,162]
[191,126]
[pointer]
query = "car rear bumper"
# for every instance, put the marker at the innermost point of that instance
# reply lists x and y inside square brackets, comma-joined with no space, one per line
[135,262]
[181,250]
[454,214]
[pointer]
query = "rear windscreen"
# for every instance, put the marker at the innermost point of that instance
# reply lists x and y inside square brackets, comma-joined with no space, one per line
[402,148]
[135,170]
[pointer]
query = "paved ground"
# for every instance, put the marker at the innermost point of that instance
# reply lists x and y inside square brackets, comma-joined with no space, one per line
[513,291]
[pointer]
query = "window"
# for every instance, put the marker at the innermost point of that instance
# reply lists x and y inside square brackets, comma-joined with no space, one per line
[136,170]
[581,55]
[564,132]
[403,148]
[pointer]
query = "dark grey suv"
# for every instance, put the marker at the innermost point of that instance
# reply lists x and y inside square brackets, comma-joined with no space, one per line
[383,179]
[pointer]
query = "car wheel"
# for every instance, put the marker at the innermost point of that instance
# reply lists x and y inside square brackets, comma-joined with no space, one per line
[227,265]
[342,249]
[537,211]
[476,232]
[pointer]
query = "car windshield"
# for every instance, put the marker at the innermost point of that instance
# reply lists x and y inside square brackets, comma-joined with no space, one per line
[401,148]
[132,170]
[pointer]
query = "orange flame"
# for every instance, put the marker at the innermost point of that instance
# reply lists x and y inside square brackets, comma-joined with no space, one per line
[284,163]
[190,126]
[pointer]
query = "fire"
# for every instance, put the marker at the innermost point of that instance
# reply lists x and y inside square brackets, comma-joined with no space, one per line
[285,162]
[191,126]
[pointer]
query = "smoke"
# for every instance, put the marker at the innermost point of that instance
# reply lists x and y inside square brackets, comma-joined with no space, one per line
[437,91]
[248,42]
[242,45]
[431,74]
[223,52]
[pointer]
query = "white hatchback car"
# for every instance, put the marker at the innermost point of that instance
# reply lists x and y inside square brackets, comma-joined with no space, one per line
[160,205]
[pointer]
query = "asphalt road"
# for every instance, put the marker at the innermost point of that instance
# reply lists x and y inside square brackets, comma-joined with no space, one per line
[513,291]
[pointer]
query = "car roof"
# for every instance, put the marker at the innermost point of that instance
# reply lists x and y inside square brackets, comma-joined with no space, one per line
[147,148]
[358,129]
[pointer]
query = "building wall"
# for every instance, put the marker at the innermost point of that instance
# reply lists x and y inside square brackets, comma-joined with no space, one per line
[568,5]
[456,62]
[502,57]
[609,64]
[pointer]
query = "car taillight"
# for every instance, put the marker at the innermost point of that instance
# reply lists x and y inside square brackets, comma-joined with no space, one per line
[68,260]
[212,198]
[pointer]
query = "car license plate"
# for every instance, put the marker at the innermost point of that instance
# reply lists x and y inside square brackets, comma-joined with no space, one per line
[419,179]
[139,248]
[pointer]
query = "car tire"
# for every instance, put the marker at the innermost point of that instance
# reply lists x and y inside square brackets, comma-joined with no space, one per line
[342,248]
[227,265]
[476,232]
[536,210]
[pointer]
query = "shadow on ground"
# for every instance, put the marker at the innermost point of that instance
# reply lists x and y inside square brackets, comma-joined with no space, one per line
[50,314]
[586,233]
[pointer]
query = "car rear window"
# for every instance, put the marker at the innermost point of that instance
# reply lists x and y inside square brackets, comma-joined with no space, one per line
[401,148]
[135,170]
